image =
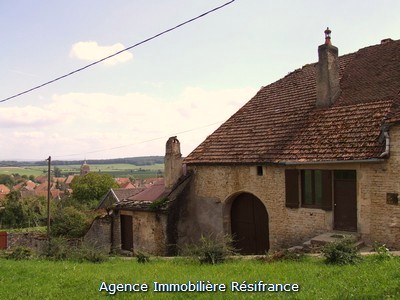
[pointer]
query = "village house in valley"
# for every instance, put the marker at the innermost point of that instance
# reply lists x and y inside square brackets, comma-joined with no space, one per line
[314,152]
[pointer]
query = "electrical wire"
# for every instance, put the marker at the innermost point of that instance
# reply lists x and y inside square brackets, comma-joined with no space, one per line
[117,53]
[137,143]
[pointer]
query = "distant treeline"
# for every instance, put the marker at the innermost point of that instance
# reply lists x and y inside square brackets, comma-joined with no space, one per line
[138,161]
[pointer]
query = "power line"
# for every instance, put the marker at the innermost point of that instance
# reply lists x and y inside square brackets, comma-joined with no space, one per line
[137,143]
[117,53]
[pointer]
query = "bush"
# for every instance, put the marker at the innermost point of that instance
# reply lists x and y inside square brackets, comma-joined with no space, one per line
[89,253]
[20,253]
[69,222]
[211,250]
[382,252]
[282,255]
[342,252]
[142,257]
[57,249]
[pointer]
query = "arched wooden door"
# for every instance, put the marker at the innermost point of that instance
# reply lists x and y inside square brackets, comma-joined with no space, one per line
[249,224]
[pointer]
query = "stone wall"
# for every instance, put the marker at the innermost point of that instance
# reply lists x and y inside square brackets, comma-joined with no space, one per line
[99,233]
[35,241]
[381,220]
[213,189]
[149,231]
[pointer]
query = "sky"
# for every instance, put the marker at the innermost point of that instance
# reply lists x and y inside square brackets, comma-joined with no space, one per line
[184,83]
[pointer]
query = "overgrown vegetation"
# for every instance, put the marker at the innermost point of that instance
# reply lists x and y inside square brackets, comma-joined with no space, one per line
[60,249]
[158,204]
[281,255]
[211,249]
[70,222]
[86,252]
[142,257]
[20,253]
[342,252]
[21,212]
[382,252]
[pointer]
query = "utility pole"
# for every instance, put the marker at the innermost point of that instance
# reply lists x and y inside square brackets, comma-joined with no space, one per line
[48,198]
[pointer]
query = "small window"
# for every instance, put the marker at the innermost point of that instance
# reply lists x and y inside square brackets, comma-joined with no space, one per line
[260,170]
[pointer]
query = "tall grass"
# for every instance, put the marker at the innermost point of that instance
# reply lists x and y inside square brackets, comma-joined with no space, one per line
[33,279]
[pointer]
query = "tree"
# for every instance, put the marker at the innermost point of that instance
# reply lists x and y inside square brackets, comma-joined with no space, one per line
[90,188]
[57,172]
[22,212]
[69,222]
[8,180]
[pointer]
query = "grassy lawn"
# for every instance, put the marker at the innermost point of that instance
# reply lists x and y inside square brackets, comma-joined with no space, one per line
[36,279]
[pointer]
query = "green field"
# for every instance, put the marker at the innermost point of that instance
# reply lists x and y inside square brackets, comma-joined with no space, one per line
[35,279]
[35,171]
[115,170]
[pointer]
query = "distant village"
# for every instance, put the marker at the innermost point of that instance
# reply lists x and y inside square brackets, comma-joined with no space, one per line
[61,186]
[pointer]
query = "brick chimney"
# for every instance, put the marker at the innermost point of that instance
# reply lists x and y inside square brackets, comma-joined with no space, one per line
[328,88]
[172,162]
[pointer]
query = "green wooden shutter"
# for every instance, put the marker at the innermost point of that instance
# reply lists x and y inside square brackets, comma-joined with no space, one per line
[326,190]
[292,188]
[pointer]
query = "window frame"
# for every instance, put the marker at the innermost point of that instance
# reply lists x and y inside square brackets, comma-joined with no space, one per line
[294,189]
[313,198]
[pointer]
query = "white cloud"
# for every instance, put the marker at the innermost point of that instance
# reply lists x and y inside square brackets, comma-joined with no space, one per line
[92,51]
[29,134]
[134,124]
[26,116]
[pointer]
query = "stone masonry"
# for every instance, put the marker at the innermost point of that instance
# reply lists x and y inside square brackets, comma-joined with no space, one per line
[214,187]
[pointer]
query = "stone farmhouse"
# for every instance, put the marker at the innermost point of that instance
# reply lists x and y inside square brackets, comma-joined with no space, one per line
[314,152]
[145,218]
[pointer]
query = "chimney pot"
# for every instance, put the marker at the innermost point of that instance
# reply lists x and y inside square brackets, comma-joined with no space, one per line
[327,36]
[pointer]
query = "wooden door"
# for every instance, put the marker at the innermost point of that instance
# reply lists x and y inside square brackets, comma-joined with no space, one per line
[126,233]
[249,224]
[345,200]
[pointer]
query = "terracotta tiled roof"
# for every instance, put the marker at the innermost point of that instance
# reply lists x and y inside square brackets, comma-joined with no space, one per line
[122,180]
[117,195]
[123,194]
[282,124]
[154,192]
[170,196]
[30,185]
[4,189]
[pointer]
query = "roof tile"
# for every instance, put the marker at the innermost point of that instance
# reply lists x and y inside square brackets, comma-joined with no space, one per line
[281,123]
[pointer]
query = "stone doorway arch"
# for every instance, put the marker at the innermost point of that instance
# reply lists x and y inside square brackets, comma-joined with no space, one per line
[249,224]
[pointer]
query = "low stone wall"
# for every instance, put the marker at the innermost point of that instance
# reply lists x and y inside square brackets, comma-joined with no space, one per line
[35,241]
